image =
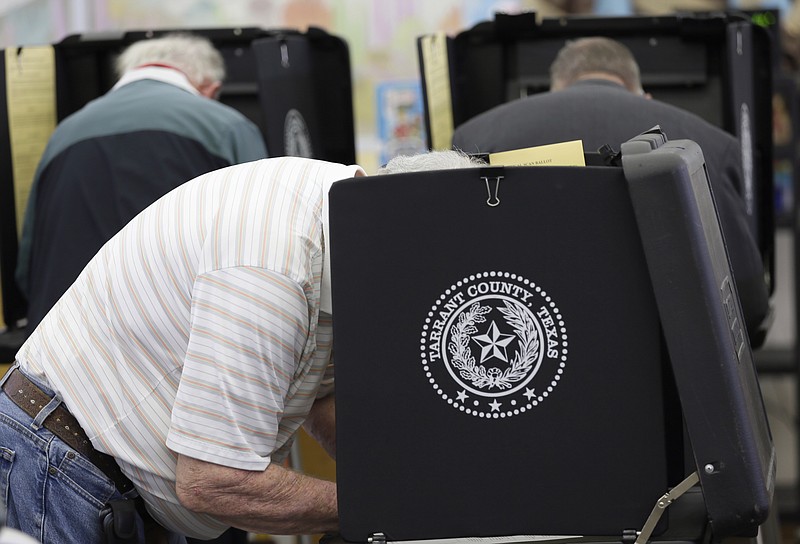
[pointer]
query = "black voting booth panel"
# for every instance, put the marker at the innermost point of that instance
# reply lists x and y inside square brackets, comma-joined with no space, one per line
[296,87]
[318,123]
[525,368]
[717,66]
[703,326]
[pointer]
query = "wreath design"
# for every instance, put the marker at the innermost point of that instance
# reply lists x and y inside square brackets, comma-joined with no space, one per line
[524,358]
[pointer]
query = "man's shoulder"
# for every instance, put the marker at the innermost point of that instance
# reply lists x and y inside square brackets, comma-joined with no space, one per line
[618,101]
[225,110]
[686,116]
[526,107]
[543,102]
[160,101]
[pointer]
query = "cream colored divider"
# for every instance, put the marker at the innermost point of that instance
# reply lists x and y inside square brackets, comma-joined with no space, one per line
[31,105]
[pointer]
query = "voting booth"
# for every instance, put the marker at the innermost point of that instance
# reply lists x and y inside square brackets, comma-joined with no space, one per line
[718,66]
[544,351]
[295,86]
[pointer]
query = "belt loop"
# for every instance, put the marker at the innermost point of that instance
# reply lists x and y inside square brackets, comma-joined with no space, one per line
[14,367]
[54,403]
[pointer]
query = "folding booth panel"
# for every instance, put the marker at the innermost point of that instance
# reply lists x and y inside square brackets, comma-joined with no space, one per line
[509,361]
[496,366]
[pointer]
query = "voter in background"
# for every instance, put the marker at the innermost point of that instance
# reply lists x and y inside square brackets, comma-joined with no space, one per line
[596,96]
[159,126]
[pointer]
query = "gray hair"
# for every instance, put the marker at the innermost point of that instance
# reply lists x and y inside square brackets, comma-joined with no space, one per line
[195,56]
[434,160]
[595,55]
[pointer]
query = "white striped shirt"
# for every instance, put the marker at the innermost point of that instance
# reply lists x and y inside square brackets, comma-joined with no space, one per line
[196,329]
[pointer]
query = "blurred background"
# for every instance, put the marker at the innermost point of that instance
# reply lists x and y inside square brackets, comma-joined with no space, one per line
[381,36]
[389,115]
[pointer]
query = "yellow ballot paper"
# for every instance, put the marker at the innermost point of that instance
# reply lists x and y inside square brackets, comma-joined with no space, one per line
[560,154]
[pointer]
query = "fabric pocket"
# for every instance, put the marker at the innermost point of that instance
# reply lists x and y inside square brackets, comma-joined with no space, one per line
[6,463]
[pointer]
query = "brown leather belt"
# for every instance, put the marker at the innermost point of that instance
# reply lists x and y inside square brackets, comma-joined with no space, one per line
[31,399]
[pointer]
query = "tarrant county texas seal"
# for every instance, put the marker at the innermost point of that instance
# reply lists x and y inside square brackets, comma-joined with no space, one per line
[494,345]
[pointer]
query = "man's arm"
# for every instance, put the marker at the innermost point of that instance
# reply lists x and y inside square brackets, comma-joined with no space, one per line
[274,501]
[321,424]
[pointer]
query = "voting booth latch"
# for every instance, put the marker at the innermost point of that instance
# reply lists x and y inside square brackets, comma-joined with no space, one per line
[284,48]
[662,504]
[492,189]
[609,156]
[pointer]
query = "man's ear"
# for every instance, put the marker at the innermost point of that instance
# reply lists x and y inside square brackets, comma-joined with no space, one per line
[210,90]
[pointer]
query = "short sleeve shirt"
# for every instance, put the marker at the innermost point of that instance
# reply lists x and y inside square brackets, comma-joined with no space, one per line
[196,329]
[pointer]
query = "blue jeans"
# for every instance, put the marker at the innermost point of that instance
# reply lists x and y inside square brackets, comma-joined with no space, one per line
[47,489]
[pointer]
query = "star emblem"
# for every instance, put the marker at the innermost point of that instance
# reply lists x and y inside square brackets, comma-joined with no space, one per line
[495,406]
[529,393]
[493,343]
[462,396]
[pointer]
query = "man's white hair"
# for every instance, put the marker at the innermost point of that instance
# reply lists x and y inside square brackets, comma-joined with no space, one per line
[193,55]
[434,160]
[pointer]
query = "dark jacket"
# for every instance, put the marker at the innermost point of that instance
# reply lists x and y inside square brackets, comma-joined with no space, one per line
[601,112]
[106,163]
